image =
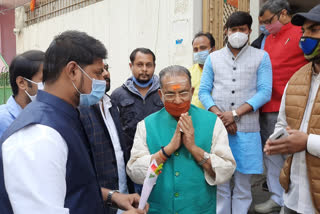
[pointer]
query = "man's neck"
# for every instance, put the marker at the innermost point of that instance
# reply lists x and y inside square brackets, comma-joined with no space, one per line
[21,100]
[201,66]
[143,91]
[287,20]
[234,51]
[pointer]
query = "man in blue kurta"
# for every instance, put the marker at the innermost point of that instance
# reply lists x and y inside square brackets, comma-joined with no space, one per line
[236,82]
[191,142]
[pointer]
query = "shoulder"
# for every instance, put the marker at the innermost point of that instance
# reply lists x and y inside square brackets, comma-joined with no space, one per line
[302,72]
[35,135]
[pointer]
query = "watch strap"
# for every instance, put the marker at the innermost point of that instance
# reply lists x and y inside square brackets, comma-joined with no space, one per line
[109,201]
[205,158]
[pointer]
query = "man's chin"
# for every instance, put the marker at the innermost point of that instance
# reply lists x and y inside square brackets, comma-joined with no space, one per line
[143,81]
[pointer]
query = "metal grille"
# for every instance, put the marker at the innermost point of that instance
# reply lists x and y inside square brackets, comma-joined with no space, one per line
[227,11]
[46,9]
[5,89]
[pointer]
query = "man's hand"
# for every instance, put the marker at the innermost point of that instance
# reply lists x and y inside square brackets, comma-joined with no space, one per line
[232,128]
[295,142]
[185,122]
[226,117]
[125,201]
[175,142]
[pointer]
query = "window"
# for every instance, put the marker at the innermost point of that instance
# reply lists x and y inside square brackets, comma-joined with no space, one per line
[46,9]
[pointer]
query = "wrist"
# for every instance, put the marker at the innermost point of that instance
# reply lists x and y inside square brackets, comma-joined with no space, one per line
[112,194]
[170,148]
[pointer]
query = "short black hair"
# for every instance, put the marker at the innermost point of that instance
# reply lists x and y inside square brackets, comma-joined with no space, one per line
[25,65]
[174,70]
[71,46]
[144,51]
[239,18]
[275,6]
[208,35]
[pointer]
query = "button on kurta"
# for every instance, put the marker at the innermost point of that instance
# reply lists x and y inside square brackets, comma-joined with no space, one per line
[176,153]
[176,194]
[177,174]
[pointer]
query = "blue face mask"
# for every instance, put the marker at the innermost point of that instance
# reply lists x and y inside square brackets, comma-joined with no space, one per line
[310,47]
[264,30]
[142,85]
[98,88]
[200,57]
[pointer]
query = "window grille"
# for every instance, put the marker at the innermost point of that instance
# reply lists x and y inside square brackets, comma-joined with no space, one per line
[46,9]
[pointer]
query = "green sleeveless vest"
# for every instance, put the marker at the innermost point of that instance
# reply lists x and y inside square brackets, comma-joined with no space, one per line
[181,187]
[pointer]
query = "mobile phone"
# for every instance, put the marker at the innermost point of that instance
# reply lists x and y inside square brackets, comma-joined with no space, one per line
[281,133]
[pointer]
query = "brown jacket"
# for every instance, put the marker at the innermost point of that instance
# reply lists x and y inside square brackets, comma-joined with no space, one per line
[297,95]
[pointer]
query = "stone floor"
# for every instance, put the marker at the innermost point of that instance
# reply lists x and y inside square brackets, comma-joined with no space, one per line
[258,195]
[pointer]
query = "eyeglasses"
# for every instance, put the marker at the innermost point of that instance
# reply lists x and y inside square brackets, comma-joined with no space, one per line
[268,21]
[185,95]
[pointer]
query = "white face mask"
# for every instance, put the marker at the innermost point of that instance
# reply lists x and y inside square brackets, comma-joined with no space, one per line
[39,85]
[238,39]
[32,97]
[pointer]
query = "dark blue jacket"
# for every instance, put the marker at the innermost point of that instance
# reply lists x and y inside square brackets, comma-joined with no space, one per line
[83,193]
[102,147]
[133,107]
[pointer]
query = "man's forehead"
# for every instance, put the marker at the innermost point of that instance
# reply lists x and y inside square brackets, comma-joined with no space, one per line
[200,40]
[176,83]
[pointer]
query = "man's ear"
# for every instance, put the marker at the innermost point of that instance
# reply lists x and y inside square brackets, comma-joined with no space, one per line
[160,94]
[70,70]
[192,91]
[21,83]
[130,65]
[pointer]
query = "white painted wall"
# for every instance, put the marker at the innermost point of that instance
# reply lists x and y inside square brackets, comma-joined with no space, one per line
[254,12]
[123,26]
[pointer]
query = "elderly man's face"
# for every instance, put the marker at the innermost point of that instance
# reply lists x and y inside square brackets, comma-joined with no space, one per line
[176,89]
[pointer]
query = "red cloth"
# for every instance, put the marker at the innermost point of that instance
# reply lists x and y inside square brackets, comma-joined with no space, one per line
[286,58]
[32,5]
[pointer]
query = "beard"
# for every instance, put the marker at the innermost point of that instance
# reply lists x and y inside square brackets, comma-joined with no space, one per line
[143,81]
[107,84]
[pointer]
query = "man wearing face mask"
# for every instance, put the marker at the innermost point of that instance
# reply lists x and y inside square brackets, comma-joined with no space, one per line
[261,40]
[203,44]
[299,114]
[235,83]
[46,158]
[101,123]
[138,97]
[25,79]
[286,58]
[191,143]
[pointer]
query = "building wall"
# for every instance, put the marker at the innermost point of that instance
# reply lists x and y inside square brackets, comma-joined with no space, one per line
[123,26]
[7,37]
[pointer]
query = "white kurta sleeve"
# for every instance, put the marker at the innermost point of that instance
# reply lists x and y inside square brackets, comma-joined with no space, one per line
[139,162]
[34,165]
[222,161]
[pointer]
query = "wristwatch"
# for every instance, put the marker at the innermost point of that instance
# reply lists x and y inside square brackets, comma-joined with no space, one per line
[109,201]
[206,156]
[235,116]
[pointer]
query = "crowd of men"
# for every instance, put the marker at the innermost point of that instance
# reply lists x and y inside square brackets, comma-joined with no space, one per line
[69,147]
